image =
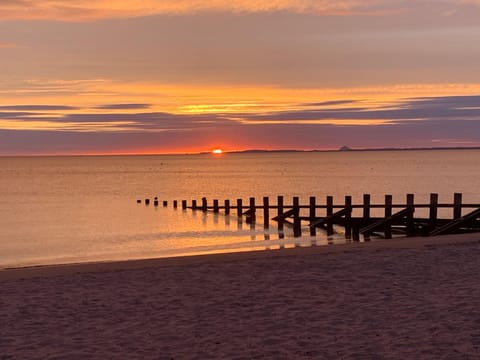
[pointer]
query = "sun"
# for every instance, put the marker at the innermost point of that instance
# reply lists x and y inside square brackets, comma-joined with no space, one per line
[217,151]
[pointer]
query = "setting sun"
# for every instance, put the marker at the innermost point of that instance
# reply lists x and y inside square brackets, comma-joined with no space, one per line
[217,151]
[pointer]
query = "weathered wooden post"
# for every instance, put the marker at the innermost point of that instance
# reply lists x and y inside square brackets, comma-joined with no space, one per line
[204,204]
[147,201]
[184,204]
[194,204]
[175,204]
[165,203]
[227,207]
[266,212]
[366,215]
[433,213]
[239,208]
[329,213]
[410,224]
[312,214]
[215,206]
[388,213]
[457,205]
[349,226]
[155,201]
[139,201]
[281,235]
[252,217]
[297,226]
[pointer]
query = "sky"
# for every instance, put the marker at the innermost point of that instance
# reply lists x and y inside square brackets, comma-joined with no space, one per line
[186,76]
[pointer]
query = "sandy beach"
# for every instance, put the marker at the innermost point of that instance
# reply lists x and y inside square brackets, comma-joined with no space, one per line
[398,299]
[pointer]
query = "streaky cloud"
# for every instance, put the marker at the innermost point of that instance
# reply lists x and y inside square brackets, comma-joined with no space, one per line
[37,107]
[123,106]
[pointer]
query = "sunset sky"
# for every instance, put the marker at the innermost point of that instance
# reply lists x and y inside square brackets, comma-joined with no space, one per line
[161,76]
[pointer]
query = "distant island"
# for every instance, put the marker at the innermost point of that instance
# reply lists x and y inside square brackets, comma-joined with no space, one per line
[343,148]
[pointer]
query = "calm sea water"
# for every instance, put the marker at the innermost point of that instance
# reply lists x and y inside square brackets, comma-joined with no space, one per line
[76,209]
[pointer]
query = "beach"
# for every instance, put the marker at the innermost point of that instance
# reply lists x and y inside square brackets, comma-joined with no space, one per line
[416,298]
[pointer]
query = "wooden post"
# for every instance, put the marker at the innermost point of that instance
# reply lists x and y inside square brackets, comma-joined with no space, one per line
[227,207]
[366,214]
[266,212]
[433,211]
[313,230]
[194,204]
[165,203]
[348,217]
[147,201]
[184,204]
[280,212]
[239,208]
[253,215]
[204,204]
[215,206]
[329,213]
[457,206]
[175,204]
[297,226]
[410,225]
[388,213]
[155,201]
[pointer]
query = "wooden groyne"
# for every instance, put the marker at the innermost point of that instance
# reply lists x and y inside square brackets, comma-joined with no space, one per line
[355,219]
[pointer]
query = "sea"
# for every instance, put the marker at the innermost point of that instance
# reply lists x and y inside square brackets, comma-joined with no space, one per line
[71,209]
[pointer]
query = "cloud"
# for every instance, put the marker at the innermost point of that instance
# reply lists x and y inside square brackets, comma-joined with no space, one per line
[100,9]
[123,106]
[37,107]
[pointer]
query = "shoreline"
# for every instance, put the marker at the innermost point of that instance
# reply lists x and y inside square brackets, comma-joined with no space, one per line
[13,273]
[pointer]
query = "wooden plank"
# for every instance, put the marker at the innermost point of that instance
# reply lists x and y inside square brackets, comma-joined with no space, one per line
[433,212]
[388,213]
[329,212]
[348,217]
[279,214]
[366,214]
[410,222]
[456,223]
[227,207]
[266,213]
[457,205]
[297,226]
[313,229]
[378,224]
[239,207]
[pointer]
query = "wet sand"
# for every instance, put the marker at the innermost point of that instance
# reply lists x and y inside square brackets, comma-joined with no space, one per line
[398,299]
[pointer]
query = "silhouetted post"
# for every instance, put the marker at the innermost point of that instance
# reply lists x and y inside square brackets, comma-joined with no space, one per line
[204,204]
[388,213]
[279,213]
[155,201]
[194,204]
[312,214]
[215,206]
[227,207]
[366,214]
[297,226]
[329,213]
[139,201]
[239,208]
[433,211]
[175,204]
[266,212]
[165,203]
[348,221]
[457,206]
[147,201]
[184,204]
[411,209]
[252,217]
